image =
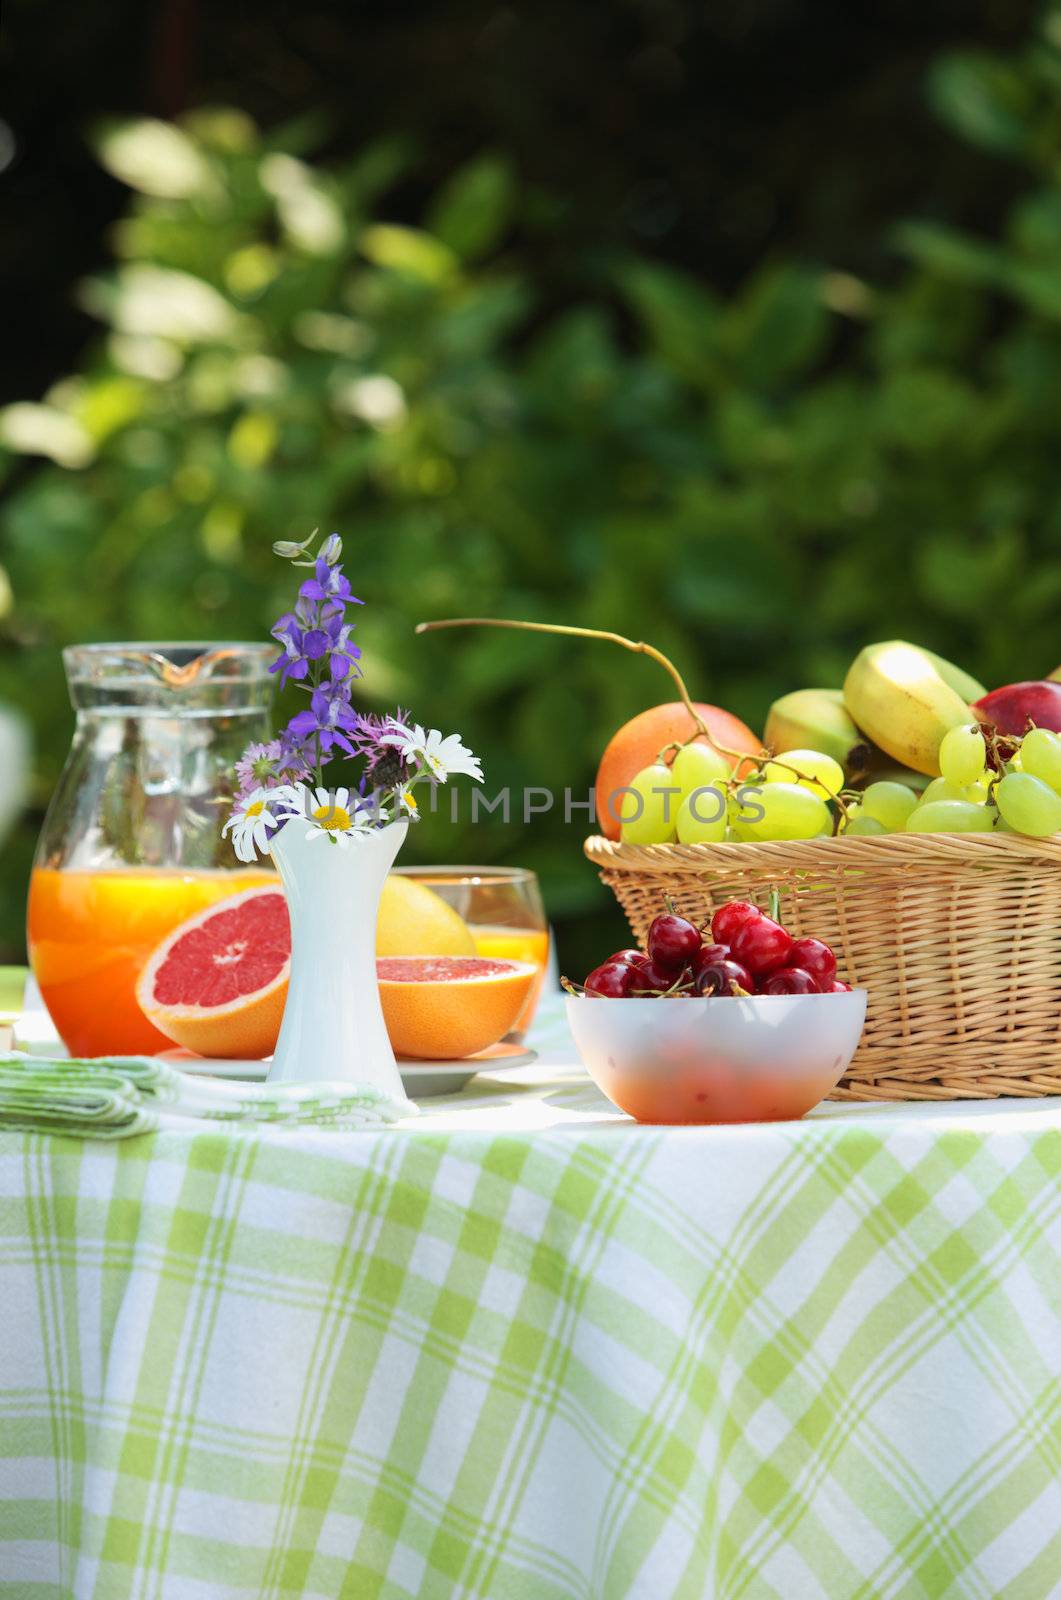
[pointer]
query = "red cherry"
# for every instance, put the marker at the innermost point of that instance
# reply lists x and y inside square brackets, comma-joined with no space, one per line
[789,980]
[672,941]
[632,958]
[610,981]
[708,954]
[724,977]
[836,987]
[730,918]
[761,945]
[649,978]
[815,957]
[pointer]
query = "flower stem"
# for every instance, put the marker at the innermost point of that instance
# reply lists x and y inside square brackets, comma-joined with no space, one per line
[317,670]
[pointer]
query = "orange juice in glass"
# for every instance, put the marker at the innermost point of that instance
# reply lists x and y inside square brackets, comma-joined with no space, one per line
[131,845]
[503,909]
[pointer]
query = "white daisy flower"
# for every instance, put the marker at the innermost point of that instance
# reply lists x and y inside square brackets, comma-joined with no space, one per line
[407,802]
[254,818]
[332,815]
[443,757]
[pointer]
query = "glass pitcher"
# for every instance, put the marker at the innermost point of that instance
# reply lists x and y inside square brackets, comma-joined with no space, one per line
[131,844]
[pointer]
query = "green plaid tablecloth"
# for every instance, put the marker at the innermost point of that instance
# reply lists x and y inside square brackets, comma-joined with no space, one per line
[525,1350]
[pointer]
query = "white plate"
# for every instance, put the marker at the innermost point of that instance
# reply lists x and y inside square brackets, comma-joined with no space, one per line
[420,1079]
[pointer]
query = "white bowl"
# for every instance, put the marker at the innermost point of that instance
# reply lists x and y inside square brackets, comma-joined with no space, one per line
[766,1058]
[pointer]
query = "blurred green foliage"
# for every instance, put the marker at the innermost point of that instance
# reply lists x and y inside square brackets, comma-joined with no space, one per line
[758,484]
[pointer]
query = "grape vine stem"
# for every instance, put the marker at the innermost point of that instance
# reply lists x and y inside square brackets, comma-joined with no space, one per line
[638,646]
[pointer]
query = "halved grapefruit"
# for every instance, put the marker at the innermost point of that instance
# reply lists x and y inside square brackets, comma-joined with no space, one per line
[445,1007]
[218,983]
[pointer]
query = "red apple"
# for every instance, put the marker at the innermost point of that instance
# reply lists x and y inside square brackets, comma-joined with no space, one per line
[1011,707]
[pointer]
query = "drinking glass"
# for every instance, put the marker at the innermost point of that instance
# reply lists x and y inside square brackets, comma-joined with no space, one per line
[503,909]
[131,843]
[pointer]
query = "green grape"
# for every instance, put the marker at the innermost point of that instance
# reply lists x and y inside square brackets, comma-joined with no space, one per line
[1040,754]
[817,772]
[789,811]
[962,754]
[696,766]
[703,816]
[949,816]
[655,820]
[862,824]
[976,793]
[743,803]
[1029,805]
[889,804]
[946,789]
[738,828]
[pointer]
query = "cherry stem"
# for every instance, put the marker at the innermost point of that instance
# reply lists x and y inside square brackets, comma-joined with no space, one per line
[775,903]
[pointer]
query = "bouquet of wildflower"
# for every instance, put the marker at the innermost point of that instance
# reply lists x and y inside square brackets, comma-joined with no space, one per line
[282,782]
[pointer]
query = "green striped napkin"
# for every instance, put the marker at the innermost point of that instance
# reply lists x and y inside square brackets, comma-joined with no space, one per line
[114,1097]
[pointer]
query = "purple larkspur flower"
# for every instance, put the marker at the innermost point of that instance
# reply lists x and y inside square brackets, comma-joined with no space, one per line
[329,720]
[291,662]
[344,654]
[328,583]
[317,628]
[297,756]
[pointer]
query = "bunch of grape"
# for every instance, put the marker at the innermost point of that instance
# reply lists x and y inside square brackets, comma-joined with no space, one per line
[696,800]
[987,785]
[747,952]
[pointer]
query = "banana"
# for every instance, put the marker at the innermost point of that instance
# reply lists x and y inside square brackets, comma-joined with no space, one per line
[811,719]
[961,682]
[898,697]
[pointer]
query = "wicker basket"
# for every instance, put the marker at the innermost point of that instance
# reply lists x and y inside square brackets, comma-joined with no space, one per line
[957,937]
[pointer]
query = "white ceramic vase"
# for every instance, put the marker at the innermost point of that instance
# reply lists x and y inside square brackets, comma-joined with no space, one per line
[333,1023]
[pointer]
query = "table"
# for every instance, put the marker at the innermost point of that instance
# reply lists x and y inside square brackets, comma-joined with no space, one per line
[523,1349]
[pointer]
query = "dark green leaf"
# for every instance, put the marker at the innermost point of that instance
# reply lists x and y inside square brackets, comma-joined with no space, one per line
[472,211]
[984,99]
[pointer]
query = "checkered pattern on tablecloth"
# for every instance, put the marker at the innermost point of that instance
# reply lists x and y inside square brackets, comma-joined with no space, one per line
[590,1362]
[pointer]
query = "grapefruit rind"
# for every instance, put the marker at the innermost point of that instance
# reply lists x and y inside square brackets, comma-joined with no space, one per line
[449,1007]
[245,1027]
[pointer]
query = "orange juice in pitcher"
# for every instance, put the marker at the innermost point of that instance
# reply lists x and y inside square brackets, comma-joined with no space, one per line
[92,933]
[131,844]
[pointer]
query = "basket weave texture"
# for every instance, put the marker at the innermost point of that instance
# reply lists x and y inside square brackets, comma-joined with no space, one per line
[956,937]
